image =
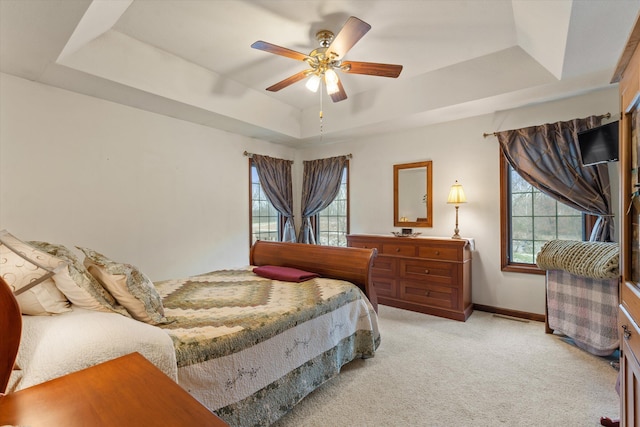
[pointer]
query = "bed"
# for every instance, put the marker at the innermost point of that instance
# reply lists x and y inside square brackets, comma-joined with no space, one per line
[248,347]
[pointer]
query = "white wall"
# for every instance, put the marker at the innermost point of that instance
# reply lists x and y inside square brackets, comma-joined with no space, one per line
[459,152]
[166,195]
[172,196]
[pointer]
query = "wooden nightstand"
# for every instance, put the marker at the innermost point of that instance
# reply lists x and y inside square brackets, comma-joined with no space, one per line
[127,391]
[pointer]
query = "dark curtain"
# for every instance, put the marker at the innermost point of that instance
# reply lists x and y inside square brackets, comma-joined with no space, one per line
[548,157]
[275,178]
[320,186]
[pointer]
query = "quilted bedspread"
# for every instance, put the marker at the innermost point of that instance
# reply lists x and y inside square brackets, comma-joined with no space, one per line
[250,348]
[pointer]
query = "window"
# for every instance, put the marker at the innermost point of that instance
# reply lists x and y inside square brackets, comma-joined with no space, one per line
[529,218]
[265,220]
[332,223]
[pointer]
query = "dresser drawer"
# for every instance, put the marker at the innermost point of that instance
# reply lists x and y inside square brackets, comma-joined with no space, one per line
[384,266]
[400,249]
[429,294]
[386,286]
[432,271]
[440,252]
[365,244]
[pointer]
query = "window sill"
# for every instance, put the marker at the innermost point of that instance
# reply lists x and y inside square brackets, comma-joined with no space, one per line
[523,268]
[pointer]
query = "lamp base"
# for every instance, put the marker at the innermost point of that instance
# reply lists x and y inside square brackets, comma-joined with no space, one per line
[456,230]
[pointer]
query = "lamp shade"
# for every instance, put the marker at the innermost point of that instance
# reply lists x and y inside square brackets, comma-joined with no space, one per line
[456,194]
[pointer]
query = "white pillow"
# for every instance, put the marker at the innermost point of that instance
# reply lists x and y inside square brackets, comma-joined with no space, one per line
[28,272]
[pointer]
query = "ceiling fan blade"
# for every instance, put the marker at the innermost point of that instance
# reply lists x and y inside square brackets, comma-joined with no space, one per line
[288,81]
[372,68]
[351,32]
[278,50]
[340,95]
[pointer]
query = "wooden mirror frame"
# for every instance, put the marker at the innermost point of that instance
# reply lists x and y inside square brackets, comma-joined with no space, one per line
[428,222]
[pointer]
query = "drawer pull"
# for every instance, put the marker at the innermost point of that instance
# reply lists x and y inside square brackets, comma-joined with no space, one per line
[426,294]
[626,333]
[397,249]
[426,271]
[437,252]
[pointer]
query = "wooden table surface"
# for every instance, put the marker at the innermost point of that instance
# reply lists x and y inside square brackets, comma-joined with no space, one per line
[127,391]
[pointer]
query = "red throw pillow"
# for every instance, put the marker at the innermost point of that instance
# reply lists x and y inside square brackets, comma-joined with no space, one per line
[286,274]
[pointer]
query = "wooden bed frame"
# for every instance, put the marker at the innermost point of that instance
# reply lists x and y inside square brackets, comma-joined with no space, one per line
[350,264]
[10,333]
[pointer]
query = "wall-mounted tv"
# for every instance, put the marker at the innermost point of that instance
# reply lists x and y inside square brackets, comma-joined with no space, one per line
[599,145]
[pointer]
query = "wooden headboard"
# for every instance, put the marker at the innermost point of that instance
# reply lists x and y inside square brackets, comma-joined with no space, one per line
[350,264]
[10,332]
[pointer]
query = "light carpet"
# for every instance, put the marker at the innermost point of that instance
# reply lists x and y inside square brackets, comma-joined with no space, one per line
[487,371]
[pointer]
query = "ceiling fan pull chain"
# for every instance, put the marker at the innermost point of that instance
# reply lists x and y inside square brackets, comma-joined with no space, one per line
[321,115]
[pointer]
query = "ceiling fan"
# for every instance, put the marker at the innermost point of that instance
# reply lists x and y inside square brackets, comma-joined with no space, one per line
[325,60]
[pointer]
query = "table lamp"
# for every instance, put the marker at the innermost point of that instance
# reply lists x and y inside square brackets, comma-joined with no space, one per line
[456,197]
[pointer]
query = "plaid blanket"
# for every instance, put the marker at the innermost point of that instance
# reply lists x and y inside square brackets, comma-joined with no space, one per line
[584,309]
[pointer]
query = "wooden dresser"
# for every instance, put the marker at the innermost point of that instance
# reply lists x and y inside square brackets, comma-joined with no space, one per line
[429,275]
[628,75]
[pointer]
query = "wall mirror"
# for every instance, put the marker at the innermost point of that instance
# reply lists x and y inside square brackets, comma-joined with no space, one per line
[412,195]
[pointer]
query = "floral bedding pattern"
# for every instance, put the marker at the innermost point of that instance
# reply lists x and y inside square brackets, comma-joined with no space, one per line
[250,348]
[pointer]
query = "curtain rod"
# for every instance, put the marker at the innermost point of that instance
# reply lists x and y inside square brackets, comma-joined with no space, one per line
[250,155]
[246,153]
[606,116]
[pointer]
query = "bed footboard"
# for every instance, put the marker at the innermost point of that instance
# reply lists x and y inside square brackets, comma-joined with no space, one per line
[350,264]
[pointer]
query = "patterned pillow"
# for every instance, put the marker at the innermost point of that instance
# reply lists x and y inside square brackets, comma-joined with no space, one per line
[80,287]
[128,285]
[28,272]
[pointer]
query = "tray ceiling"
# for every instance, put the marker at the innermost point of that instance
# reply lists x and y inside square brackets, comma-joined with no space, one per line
[191,59]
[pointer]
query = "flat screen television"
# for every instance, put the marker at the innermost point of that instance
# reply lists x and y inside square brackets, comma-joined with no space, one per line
[599,145]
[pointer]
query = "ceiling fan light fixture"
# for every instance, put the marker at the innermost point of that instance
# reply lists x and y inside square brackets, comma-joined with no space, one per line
[330,77]
[313,83]
[332,88]
[331,80]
